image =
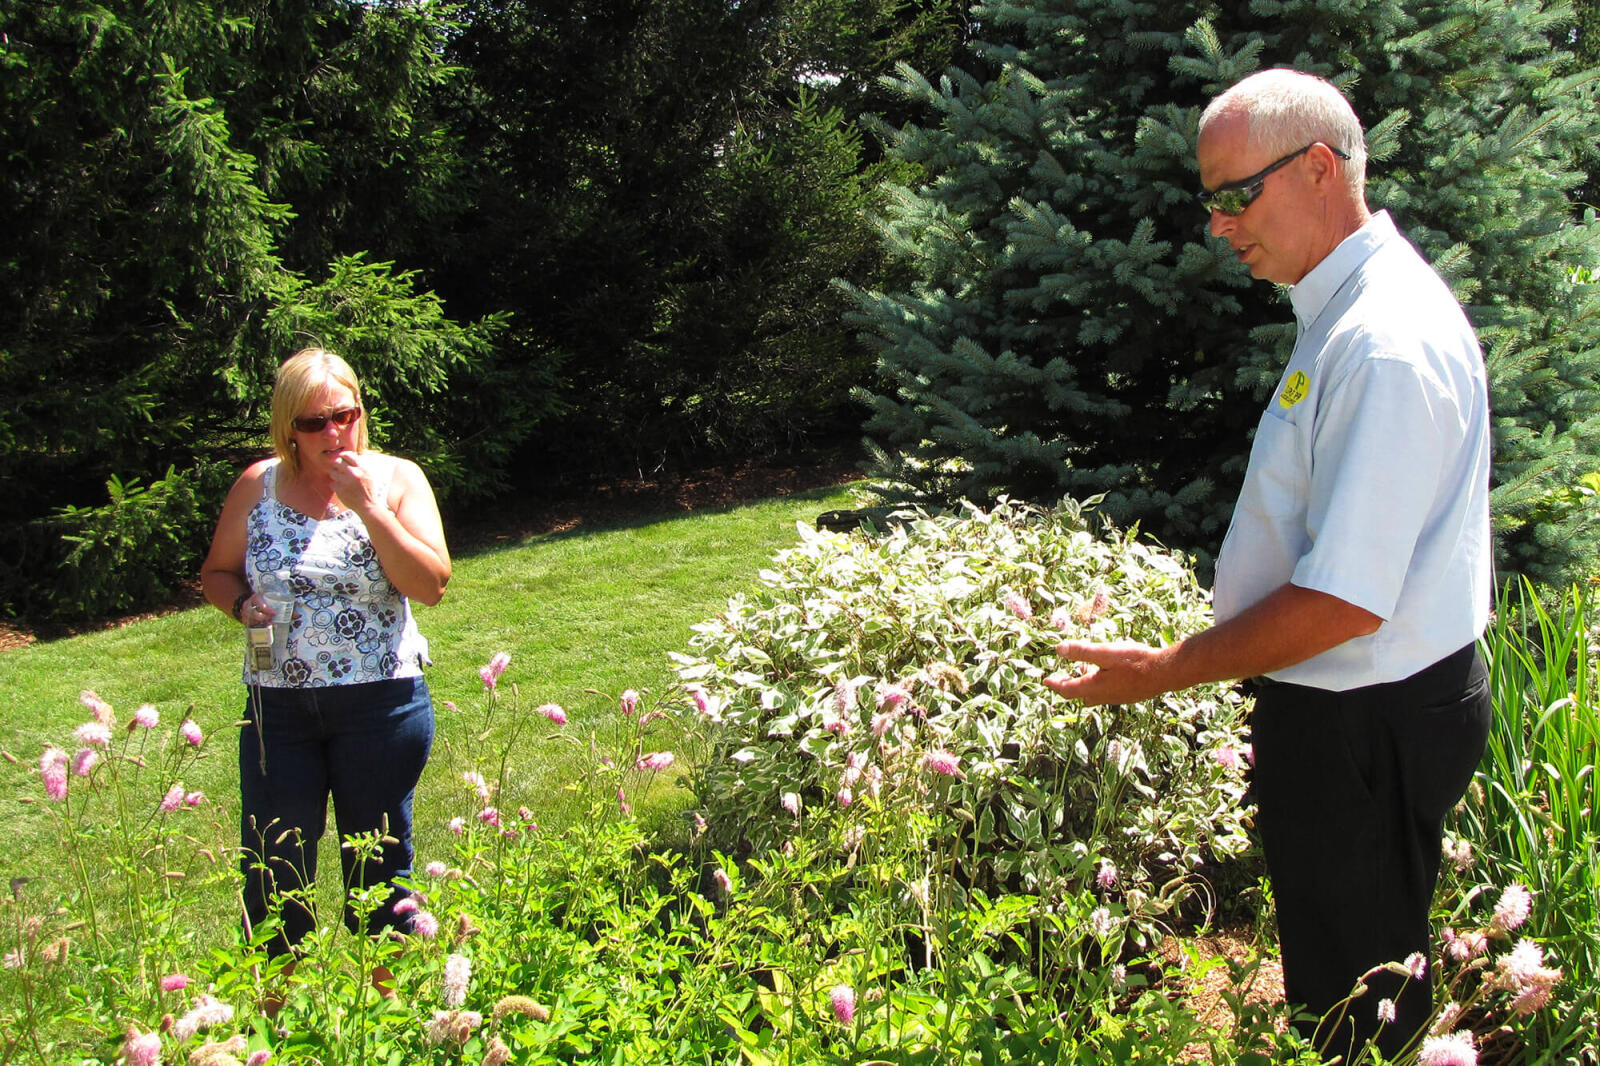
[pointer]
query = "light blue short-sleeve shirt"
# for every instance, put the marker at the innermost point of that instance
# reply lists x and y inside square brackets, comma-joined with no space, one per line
[1369,474]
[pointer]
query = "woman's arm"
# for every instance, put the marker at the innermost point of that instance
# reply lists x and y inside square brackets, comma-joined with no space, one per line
[406,530]
[222,575]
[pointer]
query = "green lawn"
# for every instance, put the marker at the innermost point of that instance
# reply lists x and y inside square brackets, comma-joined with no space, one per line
[594,609]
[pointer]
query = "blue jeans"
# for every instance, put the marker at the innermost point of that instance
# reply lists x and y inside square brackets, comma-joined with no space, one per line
[365,745]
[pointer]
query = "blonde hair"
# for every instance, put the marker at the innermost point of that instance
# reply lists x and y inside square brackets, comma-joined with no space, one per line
[303,376]
[1286,110]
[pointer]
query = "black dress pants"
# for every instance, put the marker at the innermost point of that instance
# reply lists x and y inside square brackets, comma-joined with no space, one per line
[1352,788]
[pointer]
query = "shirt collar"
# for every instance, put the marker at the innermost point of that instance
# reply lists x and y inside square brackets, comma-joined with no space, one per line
[1312,293]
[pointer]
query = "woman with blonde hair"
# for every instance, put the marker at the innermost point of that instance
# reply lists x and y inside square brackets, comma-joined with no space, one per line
[339,707]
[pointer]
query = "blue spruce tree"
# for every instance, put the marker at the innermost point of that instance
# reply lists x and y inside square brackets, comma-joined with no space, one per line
[1073,330]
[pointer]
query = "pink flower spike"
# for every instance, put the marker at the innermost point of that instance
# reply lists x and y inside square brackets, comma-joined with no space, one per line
[622,802]
[141,1049]
[498,663]
[1106,878]
[629,702]
[1386,1011]
[259,1058]
[174,982]
[425,925]
[554,712]
[436,869]
[845,797]
[173,799]
[97,707]
[490,816]
[1018,605]
[1417,965]
[193,799]
[843,998]
[53,768]
[1228,757]
[94,734]
[943,762]
[486,675]
[190,732]
[791,803]
[146,716]
[724,882]
[458,826]
[1453,1050]
[698,695]
[656,760]
[1515,904]
[84,762]
[406,905]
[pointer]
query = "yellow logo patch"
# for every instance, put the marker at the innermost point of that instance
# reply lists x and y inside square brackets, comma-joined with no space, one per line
[1294,390]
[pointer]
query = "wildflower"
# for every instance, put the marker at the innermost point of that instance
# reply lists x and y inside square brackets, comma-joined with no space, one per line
[84,762]
[475,781]
[874,780]
[490,816]
[259,1058]
[190,732]
[53,768]
[1060,617]
[498,663]
[95,734]
[554,712]
[498,1054]
[174,982]
[141,1049]
[853,836]
[656,760]
[1017,604]
[1458,853]
[892,695]
[1228,756]
[425,925]
[622,802]
[1522,972]
[522,1005]
[1119,977]
[174,798]
[458,826]
[406,905]
[943,762]
[1101,922]
[146,716]
[1512,909]
[845,797]
[698,695]
[1447,1017]
[790,801]
[1417,965]
[882,721]
[193,799]
[1453,1050]
[843,998]
[629,702]
[835,723]
[220,1053]
[435,869]
[919,890]
[206,1013]
[724,882]
[14,959]
[699,826]
[1385,1011]
[97,707]
[487,676]
[457,974]
[1106,878]
[1249,753]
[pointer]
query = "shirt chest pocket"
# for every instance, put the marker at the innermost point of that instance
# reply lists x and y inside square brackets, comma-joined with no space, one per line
[1279,473]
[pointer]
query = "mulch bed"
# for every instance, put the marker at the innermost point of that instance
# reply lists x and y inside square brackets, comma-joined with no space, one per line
[597,505]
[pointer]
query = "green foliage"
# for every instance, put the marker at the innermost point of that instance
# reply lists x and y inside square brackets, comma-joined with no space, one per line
[1072,329]
[162,156]
[866,659]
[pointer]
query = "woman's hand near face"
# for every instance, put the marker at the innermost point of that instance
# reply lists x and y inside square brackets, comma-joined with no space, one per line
[407,533]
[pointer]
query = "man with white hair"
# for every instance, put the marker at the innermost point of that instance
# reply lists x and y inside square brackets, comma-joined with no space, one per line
[1355,577]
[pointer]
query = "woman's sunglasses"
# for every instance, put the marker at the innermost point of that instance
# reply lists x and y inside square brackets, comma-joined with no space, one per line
[317,423]
[1231,198]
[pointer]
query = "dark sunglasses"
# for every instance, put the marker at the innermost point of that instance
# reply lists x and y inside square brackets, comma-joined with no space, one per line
[1232,197]
[317,423]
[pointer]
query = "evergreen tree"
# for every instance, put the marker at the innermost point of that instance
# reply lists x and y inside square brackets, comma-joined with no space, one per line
[176,209]
[1074,330]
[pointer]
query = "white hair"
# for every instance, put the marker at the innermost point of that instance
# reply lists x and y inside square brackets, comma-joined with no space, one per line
[1286,110]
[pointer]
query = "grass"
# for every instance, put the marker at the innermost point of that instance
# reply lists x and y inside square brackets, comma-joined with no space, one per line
[578,611]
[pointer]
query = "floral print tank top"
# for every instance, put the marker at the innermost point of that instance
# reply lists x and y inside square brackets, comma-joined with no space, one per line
[350,624]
